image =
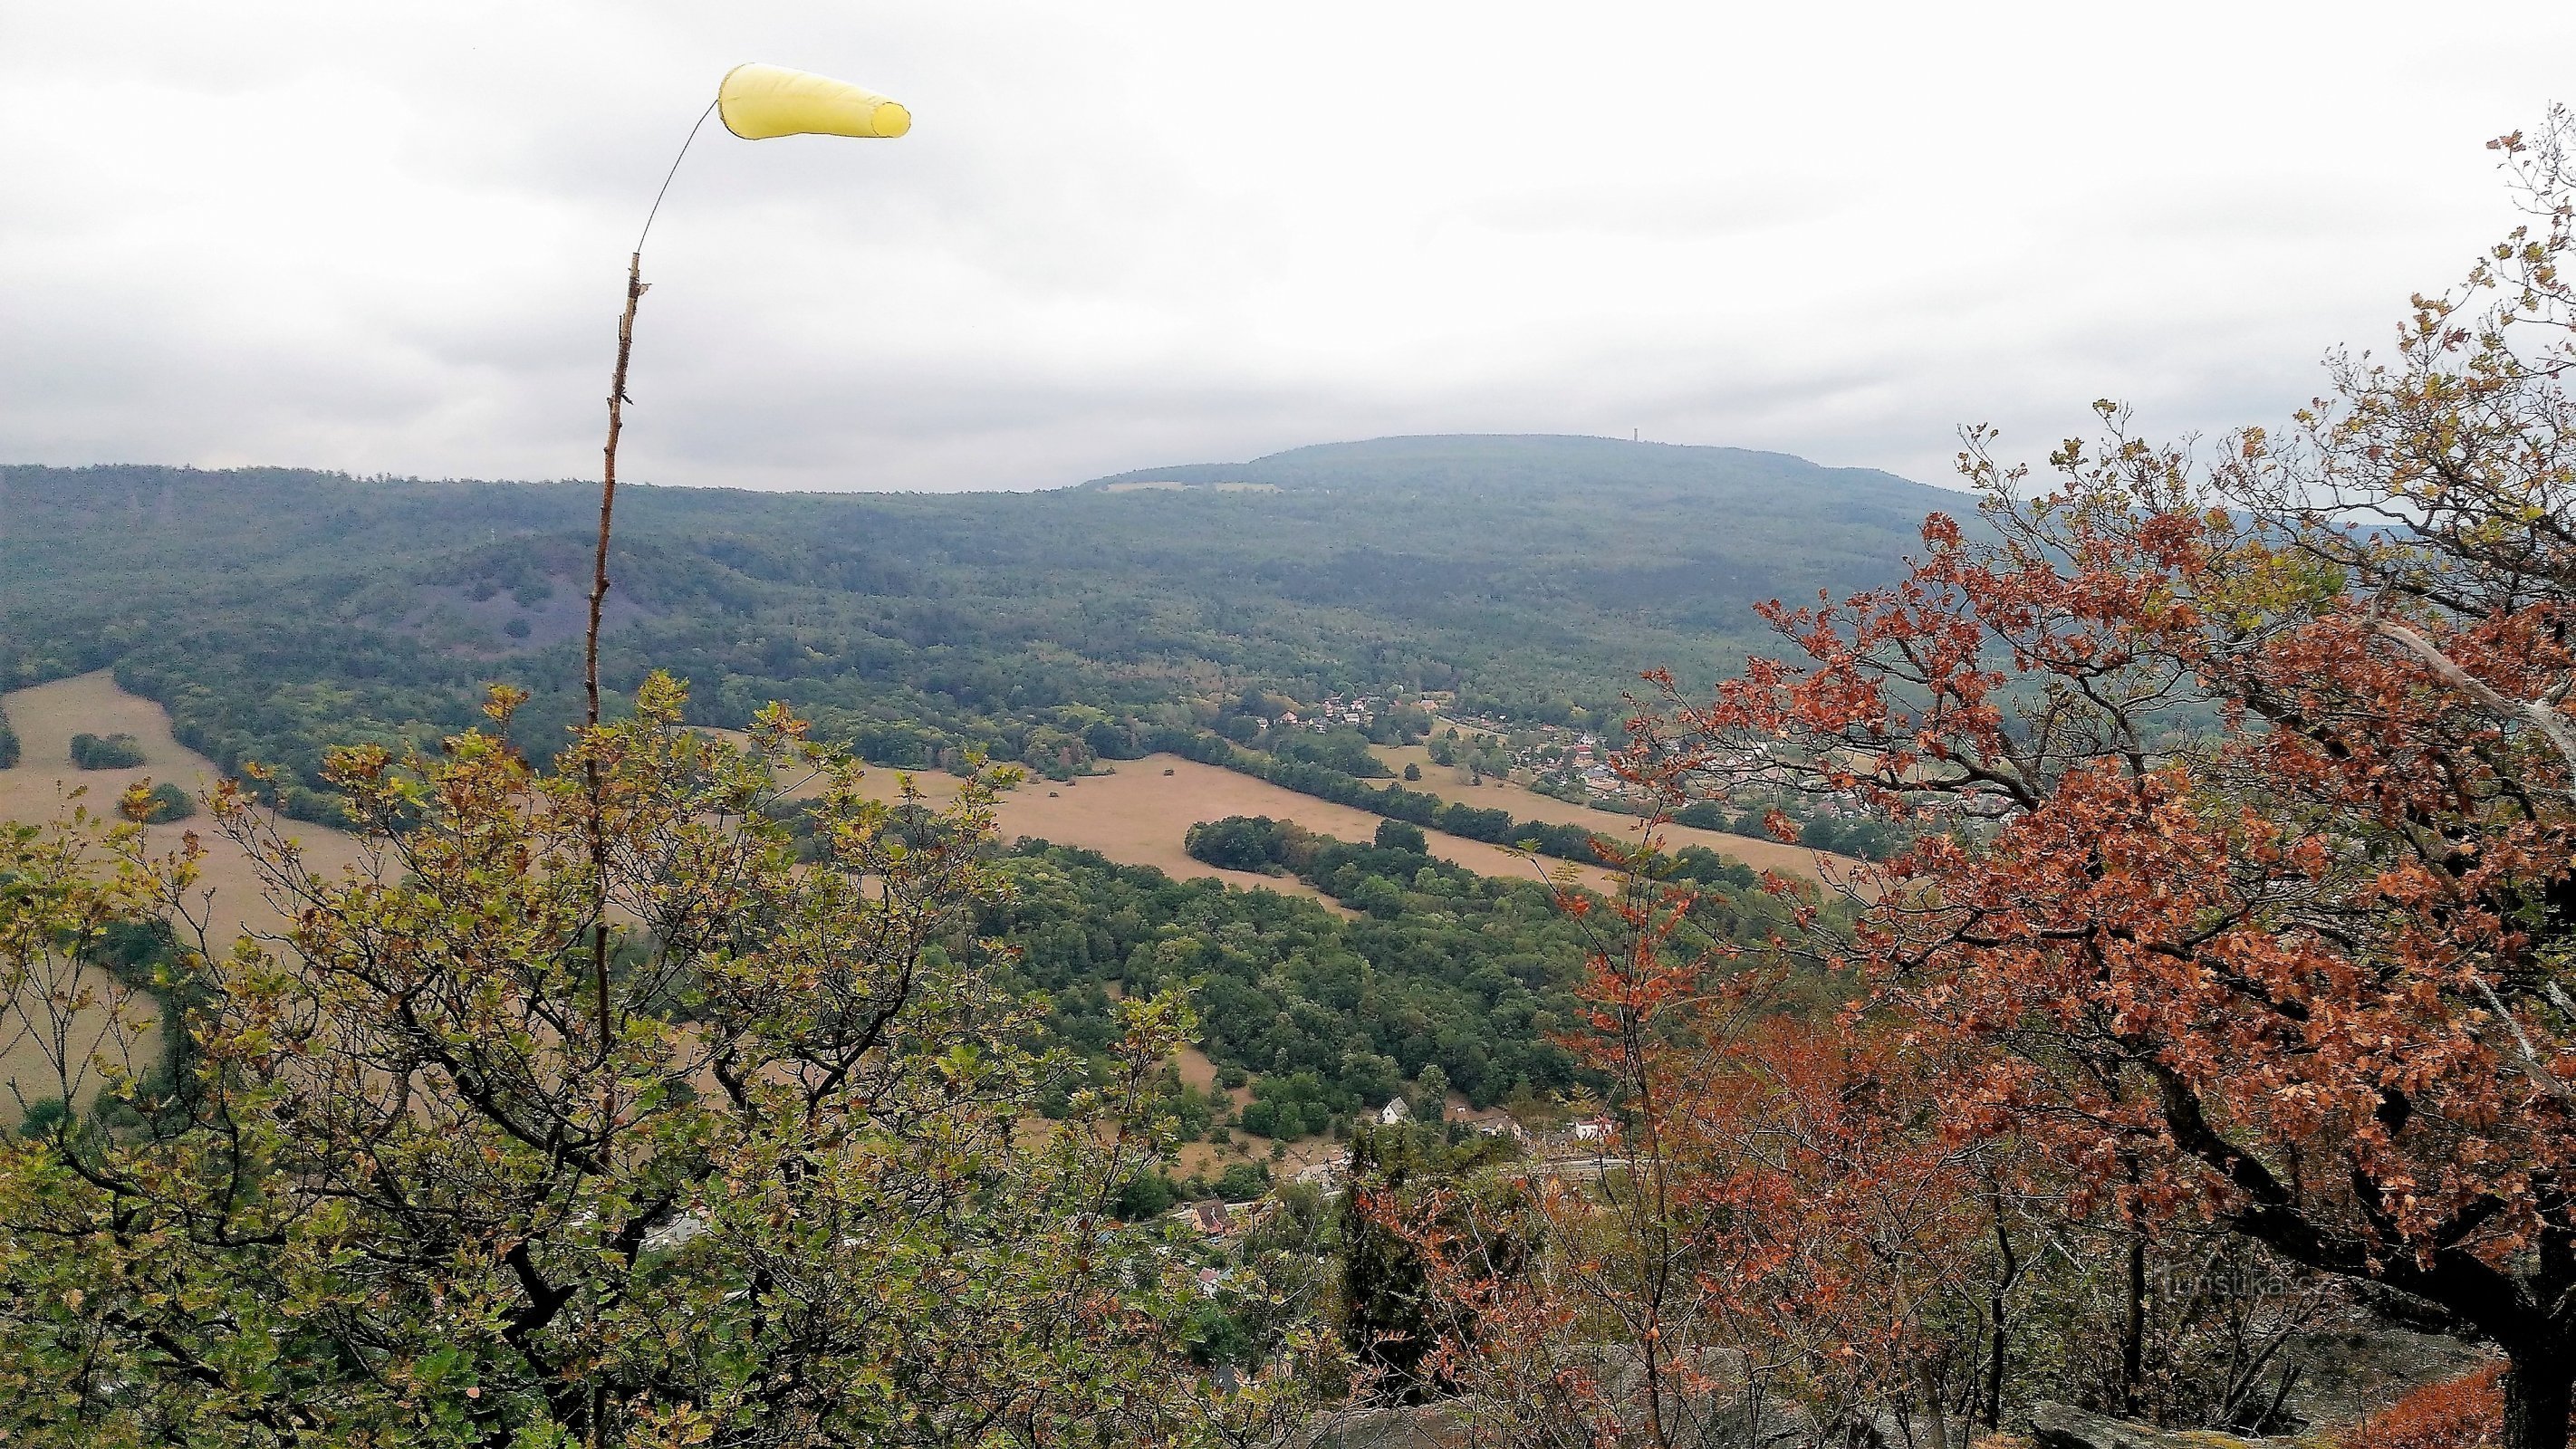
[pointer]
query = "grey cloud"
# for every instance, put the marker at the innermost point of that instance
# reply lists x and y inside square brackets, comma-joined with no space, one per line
[1156,232]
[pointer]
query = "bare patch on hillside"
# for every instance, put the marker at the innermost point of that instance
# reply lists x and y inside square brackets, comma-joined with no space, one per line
[451,617]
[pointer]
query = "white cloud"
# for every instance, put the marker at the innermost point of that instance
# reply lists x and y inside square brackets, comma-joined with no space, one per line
[1136,233]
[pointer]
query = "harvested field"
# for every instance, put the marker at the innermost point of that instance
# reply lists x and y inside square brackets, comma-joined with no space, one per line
[1139,815]
[44,786]
[1106,813]
[1450,783]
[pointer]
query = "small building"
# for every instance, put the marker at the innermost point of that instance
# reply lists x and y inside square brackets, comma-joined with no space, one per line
[1327,1174]
[1394,1114]
[1594,1129]
[1212,1218]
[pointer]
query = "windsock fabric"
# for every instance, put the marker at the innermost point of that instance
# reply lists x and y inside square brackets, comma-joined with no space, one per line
[762,101]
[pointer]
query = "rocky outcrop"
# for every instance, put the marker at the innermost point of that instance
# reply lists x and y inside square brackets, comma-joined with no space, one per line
[2353,1373]
[2055,1426]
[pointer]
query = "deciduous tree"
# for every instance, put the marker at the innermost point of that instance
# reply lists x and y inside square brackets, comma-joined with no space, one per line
[415,1187]
[2249,773]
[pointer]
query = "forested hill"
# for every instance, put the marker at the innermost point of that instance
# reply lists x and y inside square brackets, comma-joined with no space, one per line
[276,610]
[1493,464]
[1676,534]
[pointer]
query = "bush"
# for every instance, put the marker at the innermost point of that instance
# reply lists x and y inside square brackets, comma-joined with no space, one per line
[106,752]
[1261,1119]
[2464,1413]
[1234,843]
[8,743]
[1398,835]
[42,1115]
[1146,1195]
[167,803]
[1243,1182]
[1705,815]
[1341,751]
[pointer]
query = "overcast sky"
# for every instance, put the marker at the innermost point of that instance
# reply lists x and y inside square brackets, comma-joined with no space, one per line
[392,239]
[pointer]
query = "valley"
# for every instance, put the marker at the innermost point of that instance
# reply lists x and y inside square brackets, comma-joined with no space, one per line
[44,785]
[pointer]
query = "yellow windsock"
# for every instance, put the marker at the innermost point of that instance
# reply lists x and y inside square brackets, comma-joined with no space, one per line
[761,101]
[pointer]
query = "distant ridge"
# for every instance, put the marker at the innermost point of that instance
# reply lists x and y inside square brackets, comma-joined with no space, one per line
[1512,461]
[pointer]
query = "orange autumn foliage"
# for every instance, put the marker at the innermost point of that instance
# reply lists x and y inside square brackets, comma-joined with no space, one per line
[2246,785]
[2464,1413]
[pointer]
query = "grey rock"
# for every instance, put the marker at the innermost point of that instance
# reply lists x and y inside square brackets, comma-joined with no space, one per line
[2349,1374]
[2055,1426]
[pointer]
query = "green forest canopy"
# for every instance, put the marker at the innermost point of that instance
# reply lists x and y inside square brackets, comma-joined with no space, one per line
[276,611]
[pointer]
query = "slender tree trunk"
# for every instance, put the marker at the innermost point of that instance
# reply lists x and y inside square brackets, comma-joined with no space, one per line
[2133,1330]
[2536,1396]
[590,640]
[597,822]
[2008,1271]
[1935,1412]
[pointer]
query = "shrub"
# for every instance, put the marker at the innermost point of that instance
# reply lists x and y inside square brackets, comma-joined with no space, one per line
[1146,1195]
[106,752]
[1705,815]
[167,802]
[1397,835]
[1234,843]
[2463,1413]
[41,1116]
[1242,1182]
[8,743]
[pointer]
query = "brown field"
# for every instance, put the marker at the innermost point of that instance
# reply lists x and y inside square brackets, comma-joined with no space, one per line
[45,786]
[1138,814]
[1106,813]
[1450,783]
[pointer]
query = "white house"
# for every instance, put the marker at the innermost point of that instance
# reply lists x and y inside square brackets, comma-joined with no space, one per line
[1394,1114]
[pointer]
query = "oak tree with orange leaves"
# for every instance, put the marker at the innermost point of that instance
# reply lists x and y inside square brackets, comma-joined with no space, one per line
[2247,792]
